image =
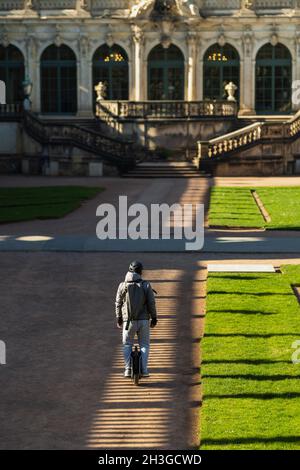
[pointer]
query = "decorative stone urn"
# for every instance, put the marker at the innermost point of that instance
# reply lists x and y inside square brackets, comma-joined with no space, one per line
[231,88]
[100,89]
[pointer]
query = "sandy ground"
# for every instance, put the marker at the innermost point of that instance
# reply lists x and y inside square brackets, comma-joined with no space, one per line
[62,386]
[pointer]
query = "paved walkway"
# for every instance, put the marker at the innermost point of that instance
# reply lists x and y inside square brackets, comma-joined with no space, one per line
[250,243]
[62,387]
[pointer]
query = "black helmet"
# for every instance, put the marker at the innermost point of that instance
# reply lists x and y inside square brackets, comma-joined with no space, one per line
[136,267]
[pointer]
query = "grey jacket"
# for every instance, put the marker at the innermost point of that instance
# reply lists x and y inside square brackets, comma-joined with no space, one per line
[121,307]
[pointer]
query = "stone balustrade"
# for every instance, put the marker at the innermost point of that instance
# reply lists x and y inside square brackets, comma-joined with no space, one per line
[72,135]
[274,4]
[240,139]
[207,7]
[233,141]
[223,6]
[164,109]
[10,109]
[294,125]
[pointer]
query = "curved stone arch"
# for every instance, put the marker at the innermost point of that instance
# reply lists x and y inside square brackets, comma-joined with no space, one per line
[275,95]
[125,47]
[216,73]
[47,44]
[263,42]
[13,88]
[116,88]
[60,94]
[164,82]
[21,46]
[228,43]
[174,42]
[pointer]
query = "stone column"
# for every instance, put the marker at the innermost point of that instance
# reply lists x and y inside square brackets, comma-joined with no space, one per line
[32,71]
[191,89]
[247,77]
[296,71]
[84,78]
[137,64]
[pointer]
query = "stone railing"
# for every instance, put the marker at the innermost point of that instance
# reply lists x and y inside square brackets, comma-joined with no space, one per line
[227,143]
[10,109]
[56,4]
[90,5]
[294,125]
[221,5]
[255,133]
[273,4]
[96,5]
[207,7]
[164,109]
[12,5]
[210,7]
[113,151]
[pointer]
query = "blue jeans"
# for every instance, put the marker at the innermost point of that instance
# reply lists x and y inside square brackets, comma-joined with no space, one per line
[142,329]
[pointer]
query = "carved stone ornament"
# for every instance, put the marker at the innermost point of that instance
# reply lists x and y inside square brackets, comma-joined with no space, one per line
[221,40]
[163,8]
[84,45]
[137,34]
[31,44]
[58,40]
[167,28]
[274,39]
[248,40]
[100,90]
[109,39]
[4,39]
[231,88]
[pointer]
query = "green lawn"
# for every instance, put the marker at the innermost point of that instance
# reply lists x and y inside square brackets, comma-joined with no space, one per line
[251,387]
[19,204]
[235,207]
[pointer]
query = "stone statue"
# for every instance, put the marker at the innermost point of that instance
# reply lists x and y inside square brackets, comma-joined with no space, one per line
[187,7]
[141,8]
[181,7]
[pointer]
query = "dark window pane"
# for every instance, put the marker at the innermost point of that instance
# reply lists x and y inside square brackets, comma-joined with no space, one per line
[273,79]
[166,73]
[221,66]
[110,65]
[12,72]
[59,80]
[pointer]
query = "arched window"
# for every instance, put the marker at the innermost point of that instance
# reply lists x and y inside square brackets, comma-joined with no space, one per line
[273,79]
[110,65]
[58,80]
[166,73]
[221,66]
[12,73]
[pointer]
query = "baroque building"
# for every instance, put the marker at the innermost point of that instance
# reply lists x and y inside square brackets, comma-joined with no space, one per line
[215,80]
[150,50]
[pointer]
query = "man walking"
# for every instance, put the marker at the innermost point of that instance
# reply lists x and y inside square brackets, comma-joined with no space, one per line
[136,314]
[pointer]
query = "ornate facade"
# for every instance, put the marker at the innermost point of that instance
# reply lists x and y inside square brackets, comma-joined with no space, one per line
[150,50]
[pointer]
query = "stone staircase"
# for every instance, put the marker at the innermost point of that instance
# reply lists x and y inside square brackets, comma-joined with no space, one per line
[164,170]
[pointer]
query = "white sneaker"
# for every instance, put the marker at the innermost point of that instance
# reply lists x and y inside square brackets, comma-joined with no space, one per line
[146,375]
[127,373]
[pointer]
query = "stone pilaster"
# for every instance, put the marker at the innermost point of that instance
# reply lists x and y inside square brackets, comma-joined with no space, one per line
[247,79]
[32,71]
[191,93]
[138,84]
[84,77]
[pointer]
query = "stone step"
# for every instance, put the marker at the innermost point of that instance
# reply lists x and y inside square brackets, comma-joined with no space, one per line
[164,170]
